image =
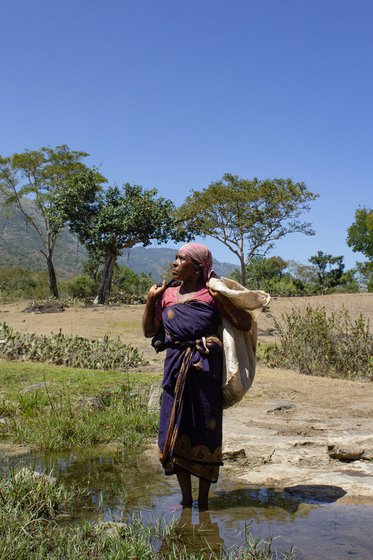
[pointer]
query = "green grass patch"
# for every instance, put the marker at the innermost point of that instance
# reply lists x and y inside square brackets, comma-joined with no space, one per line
[15,376]
[49,407]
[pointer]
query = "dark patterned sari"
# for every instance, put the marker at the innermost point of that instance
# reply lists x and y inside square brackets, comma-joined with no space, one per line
[190,428]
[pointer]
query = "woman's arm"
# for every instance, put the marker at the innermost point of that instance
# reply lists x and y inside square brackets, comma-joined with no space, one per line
[239,318]
[150,323]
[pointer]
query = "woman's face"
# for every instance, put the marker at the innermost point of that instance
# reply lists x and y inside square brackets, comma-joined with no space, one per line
[184,268]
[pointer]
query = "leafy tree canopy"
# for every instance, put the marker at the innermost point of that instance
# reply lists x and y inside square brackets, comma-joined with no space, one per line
[360,233]
[248,216]
[261,269]
[122,218]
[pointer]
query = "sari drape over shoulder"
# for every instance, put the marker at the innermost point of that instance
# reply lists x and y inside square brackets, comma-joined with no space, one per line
[190,428]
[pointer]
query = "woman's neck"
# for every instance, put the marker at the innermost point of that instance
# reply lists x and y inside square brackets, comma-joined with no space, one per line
[189,286]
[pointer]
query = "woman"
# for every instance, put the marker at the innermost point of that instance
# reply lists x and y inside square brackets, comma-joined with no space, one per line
[190,427]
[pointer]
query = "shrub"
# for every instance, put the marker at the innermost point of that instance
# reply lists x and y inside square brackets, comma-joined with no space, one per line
[74,351]
[280,287]
[19,283]
[315,343]
[129,287]
[82,287]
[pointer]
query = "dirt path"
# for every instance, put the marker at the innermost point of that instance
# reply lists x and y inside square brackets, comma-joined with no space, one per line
[306,434]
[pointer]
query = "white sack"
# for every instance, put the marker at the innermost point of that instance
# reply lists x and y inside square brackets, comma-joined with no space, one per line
[239,346]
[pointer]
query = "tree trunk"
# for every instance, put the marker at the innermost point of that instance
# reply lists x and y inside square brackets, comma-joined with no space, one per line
[243,272]
[52,276]
[107,277]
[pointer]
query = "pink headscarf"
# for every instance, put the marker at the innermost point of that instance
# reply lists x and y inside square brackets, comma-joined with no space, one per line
[201,255]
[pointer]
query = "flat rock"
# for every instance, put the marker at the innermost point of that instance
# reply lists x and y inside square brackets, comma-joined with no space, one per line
[154,401]
[290,444]
[351,449]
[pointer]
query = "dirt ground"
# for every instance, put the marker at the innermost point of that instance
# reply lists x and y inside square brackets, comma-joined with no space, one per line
[302,433]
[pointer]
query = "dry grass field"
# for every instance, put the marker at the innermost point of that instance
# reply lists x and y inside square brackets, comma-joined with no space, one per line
[124,321]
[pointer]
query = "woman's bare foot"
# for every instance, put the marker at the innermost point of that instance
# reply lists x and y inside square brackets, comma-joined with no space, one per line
[186,503]
[203,494]
[203,506]
[185,484]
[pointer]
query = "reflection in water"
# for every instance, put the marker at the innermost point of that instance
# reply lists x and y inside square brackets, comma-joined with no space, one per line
[304,516]
[196,531]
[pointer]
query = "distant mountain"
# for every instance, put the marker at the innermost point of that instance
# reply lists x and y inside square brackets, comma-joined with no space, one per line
[20,247]
[155,261]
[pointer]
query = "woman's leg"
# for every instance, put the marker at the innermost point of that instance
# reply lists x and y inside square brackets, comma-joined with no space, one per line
[203,493]
[185,483]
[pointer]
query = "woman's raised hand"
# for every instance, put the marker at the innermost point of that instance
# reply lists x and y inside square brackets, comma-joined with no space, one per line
[156,291]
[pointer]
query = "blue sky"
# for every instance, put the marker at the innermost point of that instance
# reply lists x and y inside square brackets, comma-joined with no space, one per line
[172,95]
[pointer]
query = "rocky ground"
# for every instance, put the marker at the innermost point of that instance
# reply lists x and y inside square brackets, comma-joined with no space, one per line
[307,434]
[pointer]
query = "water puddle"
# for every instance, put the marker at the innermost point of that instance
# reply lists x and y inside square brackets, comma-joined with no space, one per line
[308,518]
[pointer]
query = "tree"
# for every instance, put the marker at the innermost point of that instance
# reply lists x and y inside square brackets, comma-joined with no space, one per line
[92,265]
[120,219]
[269,274]
[328,277]
[360,239]
[365,274]
[303,275]
[247,216]
[262,269]
[360,233]
[40,177]
[128,281]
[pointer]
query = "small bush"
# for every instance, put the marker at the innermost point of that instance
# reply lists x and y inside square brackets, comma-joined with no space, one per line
[281,287]
[82,287]
[315,343]
[74,351]
[19,283]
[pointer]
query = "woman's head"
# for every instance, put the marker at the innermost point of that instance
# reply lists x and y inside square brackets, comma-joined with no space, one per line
[201,256]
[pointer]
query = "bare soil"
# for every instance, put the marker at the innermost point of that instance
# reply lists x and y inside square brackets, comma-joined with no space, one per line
[291,431]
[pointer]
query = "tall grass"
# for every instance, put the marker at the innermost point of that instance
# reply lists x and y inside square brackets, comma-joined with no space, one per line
[56,421]
[317,343]
[65,408]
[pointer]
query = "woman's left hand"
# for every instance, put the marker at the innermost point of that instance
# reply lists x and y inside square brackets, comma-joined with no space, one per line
[213,293]
[240,318]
